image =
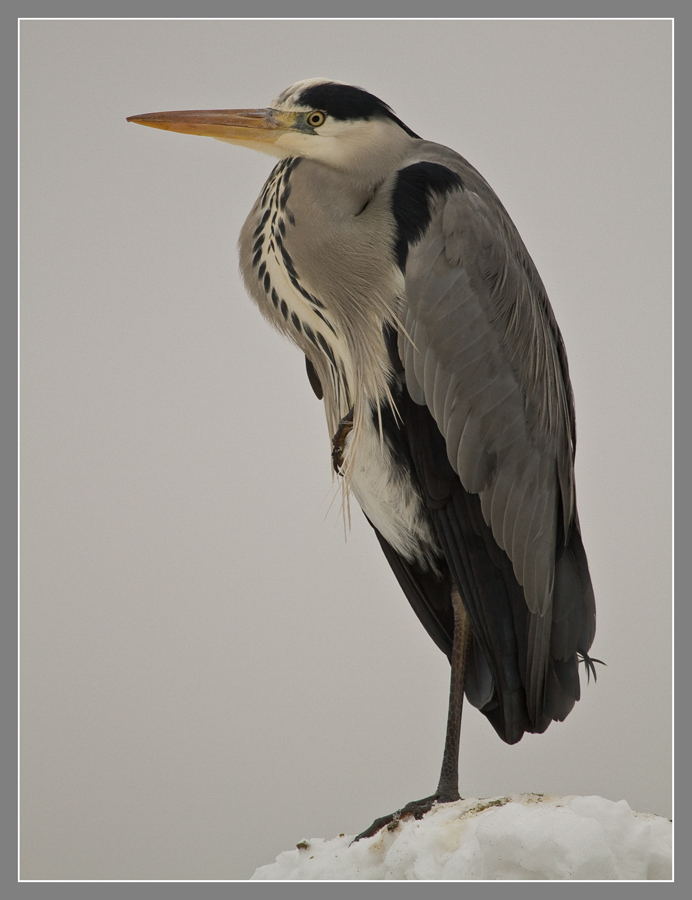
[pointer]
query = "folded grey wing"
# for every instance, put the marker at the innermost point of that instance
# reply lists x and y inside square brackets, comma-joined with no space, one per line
[481,349]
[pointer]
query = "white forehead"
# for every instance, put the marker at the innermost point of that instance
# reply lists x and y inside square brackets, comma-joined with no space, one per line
[288,99]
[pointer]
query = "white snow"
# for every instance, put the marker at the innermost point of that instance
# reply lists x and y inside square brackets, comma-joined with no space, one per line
[519,837]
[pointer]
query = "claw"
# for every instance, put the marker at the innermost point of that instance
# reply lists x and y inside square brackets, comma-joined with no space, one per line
[589,665]
[416,808]
[339,441]
[376,826]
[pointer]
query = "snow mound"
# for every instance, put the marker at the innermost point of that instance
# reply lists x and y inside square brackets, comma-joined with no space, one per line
[520,837]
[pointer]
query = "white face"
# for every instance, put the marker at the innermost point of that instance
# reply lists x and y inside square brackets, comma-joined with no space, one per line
[352,145]
[344,144]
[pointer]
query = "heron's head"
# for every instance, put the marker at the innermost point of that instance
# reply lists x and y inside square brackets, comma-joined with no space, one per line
[336,124]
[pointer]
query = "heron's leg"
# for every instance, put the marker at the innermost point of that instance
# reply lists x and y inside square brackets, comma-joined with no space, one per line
[339,440]
[448,786]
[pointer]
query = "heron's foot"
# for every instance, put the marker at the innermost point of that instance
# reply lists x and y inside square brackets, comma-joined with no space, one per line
[416,808]
[339,441]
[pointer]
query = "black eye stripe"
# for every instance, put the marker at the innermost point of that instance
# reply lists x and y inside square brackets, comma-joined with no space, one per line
[343,101]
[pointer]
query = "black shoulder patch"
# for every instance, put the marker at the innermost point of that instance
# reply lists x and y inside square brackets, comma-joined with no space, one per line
[411,202]
[343,101]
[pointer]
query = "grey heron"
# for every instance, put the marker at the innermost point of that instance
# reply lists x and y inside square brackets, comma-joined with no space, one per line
[427,332]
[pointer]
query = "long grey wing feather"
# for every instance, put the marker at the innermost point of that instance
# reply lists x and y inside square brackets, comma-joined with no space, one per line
[484,361]
[537,662]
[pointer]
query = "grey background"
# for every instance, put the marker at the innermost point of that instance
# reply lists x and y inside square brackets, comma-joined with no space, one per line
[209,674]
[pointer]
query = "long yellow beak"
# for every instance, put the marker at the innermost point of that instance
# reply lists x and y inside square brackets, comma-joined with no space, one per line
[265,125]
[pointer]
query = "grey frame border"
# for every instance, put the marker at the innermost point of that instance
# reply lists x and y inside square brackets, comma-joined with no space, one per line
[9,16]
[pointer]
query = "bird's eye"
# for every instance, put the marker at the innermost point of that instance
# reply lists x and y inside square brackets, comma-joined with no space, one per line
[315,119]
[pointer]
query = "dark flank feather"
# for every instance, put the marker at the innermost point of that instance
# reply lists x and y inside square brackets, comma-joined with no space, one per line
[497,675]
